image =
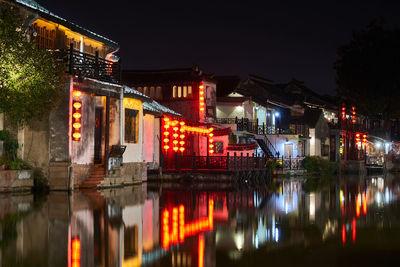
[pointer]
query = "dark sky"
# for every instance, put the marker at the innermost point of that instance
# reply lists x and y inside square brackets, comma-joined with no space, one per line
[278,40]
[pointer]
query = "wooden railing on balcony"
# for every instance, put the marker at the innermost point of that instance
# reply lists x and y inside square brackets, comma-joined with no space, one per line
[90,66]
[252,126]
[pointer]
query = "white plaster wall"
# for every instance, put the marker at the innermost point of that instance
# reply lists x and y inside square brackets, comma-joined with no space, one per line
[229,111]
[82,152]
[134,152]
[156,145]
[148,137]
[279,141]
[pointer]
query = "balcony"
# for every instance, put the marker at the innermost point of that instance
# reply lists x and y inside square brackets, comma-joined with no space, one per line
[85,65]
[252,126]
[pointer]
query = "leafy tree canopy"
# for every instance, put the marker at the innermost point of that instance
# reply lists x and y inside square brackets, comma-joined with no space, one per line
[368,71]
[30,78]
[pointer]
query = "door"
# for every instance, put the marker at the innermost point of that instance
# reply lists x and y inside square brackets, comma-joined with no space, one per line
[98,134]
[288,150]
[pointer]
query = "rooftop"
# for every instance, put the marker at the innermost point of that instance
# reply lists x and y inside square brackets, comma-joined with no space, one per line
[74,27]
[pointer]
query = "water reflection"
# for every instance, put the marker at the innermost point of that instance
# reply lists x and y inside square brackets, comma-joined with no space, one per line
[174,225]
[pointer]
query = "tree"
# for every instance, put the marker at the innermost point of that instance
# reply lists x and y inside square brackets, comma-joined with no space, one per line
[30,77]
[368,71]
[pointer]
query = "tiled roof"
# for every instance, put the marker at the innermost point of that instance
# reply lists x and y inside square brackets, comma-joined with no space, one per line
[53,17]
[155,107]
[129,92]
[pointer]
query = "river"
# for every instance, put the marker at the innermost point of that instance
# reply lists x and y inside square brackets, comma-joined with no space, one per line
[354,221]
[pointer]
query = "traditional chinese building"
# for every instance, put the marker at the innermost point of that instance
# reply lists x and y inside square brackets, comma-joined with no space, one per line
[73,146]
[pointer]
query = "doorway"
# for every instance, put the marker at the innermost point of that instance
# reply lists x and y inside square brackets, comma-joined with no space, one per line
[288,150]
[98,134]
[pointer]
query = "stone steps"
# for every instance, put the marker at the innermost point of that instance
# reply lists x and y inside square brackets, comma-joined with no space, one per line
[95,178]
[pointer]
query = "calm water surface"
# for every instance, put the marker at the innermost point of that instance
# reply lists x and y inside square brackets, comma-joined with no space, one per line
[355,222]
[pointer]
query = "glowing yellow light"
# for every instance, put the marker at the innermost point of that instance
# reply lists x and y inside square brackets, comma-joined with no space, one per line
[175,135]
[166,147]
[166,126]
[77,94]
[175,142]
[201,98]
[166,140]
[210,134]
[211,151]
[77,115]
[175,129]
[201,86]
[182,149]
[77,105]
[182,136]
[211,146]
[166,133]
[175,148]
[166,119]
[211,140]
[182,143]
[76,125]
[76,136]
[182,123]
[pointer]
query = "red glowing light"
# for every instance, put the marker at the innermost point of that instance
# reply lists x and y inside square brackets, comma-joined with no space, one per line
[343,234]
[166,147]
[354,230]
[358,200]
[76,125]
[182,229]
[364,204]
[175,148]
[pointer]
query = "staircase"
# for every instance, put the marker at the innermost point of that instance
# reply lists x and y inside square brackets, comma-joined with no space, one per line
[95,178]
[267,147]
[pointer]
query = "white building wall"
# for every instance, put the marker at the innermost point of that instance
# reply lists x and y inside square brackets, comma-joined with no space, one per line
[148,137]
[279,141]
[229,111]
[134,151]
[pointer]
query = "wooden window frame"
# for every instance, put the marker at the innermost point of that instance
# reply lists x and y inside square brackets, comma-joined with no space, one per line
[131,126]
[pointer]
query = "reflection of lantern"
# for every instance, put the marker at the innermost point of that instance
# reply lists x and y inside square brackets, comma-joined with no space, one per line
[76,116]
[76,252]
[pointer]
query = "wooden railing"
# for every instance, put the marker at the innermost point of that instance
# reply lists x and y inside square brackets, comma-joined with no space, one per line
[90,66]
[252,126]
[227,163]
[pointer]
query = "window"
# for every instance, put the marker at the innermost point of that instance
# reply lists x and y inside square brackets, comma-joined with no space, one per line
[210,112]
[158,92]
[185,91]
[146,90]
[152,92]
[179,91]
[131,125]
[130,242]
[219,147]
[189,91]
[45,38]
[174,93]
[140,89]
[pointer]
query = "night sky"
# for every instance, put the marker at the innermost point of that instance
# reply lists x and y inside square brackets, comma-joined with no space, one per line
[278,40]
